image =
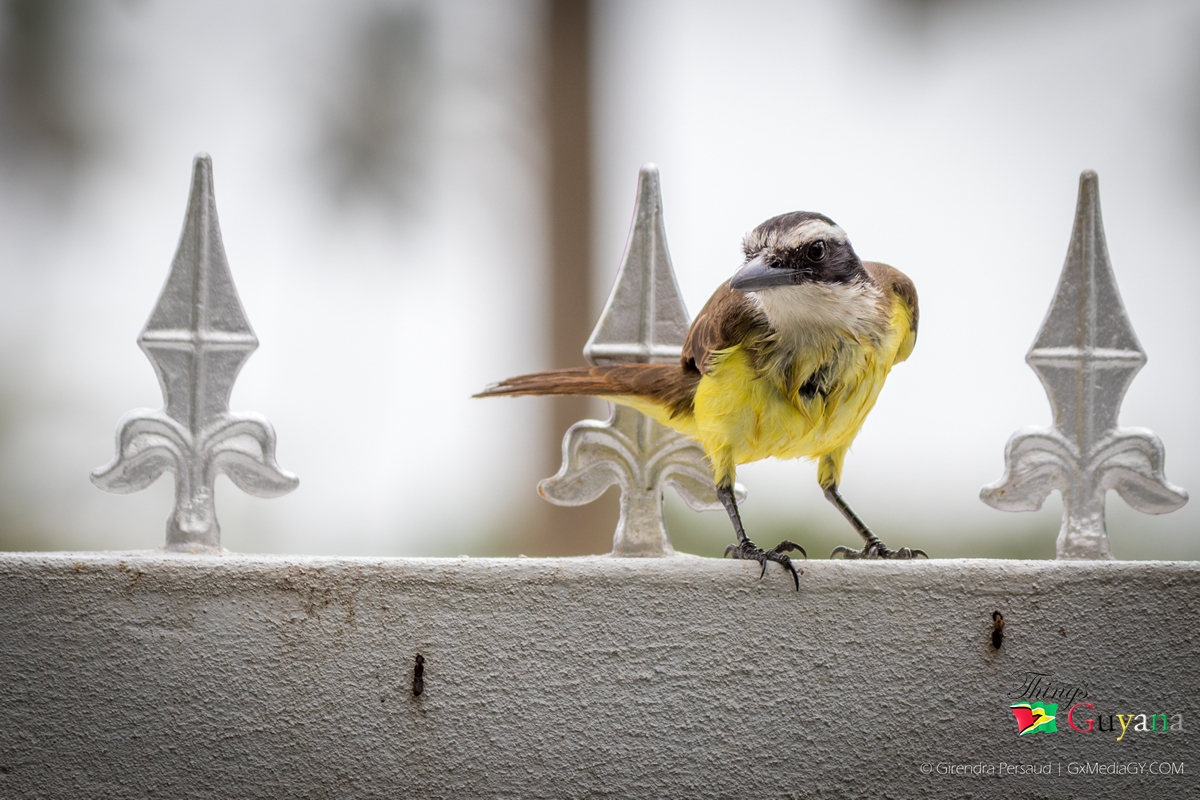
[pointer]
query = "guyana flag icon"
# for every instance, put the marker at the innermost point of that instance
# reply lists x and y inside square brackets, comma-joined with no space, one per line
[1035,717]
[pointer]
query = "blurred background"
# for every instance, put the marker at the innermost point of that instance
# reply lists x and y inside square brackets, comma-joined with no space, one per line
[420,198]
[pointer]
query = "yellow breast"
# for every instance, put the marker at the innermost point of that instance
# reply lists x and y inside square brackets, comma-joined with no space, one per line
[744,414]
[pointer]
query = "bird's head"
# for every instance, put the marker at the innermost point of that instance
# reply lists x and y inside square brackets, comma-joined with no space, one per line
[796,249]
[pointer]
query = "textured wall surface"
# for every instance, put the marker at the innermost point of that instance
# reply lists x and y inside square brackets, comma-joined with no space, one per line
[156,675]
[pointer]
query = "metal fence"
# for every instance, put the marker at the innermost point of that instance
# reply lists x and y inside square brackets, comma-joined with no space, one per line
[198,337]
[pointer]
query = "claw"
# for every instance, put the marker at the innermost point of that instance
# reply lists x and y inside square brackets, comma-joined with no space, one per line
[795,575]
[877,549]
[751,552]
[787,545]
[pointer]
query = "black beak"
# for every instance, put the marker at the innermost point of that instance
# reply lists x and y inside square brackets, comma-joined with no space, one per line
[757,274]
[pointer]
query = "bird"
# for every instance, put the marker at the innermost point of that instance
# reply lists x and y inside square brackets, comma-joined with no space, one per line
[785,360]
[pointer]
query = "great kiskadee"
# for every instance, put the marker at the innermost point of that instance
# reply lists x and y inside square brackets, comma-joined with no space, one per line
[785,360]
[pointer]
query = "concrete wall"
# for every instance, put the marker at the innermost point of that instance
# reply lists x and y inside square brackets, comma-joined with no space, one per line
[148,674]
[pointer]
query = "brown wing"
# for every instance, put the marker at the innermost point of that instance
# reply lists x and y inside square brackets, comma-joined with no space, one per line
[895,282]
[729,317]
[897,285]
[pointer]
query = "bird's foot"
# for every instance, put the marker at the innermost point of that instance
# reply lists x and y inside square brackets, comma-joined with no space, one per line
[877,549]
[749,551]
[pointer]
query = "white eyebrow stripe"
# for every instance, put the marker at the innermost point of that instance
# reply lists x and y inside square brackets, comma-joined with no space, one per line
[775,239]
[811,230]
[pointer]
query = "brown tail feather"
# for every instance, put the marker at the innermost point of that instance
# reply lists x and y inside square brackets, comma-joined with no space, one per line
[667,384]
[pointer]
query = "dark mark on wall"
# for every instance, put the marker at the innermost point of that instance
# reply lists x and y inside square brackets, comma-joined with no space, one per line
[997,629]
[419,675]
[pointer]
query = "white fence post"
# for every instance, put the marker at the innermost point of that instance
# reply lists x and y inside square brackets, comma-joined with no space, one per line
[197,338]
[1086,355]
[644,321]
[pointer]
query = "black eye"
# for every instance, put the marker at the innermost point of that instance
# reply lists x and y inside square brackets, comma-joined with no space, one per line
[816,251]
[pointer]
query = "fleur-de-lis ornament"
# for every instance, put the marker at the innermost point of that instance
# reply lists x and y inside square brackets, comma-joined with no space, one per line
[644,321]
[1086,355]
[197,338]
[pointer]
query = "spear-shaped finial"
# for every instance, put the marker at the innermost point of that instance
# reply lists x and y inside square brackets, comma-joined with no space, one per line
[1086,355]
[197,338]
[643,321]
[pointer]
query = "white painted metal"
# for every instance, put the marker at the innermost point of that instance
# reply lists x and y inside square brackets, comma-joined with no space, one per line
[1086,355]
[197,338]
[643,321]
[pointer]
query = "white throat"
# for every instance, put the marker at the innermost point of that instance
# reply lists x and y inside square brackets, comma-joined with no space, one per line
[812,312]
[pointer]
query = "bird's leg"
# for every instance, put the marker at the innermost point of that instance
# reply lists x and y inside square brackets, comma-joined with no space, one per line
[874,548]
[747,549]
